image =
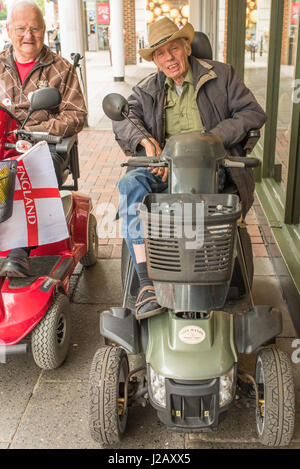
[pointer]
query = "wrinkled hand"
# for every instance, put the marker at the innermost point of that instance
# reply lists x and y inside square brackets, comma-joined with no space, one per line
[160,172]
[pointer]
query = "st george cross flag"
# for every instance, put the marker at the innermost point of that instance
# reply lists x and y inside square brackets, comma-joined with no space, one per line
[38,216]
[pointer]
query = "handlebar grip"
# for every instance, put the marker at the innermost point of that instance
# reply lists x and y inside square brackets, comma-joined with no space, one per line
[252,162]
[46,137]
[141,162]
[8,146]
[242,161]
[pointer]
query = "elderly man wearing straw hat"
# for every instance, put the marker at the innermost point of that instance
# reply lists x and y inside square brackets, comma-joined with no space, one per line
[186,94]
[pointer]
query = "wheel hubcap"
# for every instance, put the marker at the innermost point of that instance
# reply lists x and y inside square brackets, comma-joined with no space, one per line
[61,330]
[260,411]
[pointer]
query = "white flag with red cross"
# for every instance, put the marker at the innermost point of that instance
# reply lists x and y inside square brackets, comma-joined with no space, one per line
[38,215]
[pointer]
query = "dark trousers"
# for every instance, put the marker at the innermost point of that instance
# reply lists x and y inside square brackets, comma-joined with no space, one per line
[60,164]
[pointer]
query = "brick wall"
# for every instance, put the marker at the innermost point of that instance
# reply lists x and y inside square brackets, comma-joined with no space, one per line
[130,32]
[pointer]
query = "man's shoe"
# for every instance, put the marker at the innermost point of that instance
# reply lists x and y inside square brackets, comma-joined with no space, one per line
[16,264]
[146,303]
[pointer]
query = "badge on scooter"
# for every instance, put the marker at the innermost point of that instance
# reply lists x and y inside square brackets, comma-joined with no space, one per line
[191,335]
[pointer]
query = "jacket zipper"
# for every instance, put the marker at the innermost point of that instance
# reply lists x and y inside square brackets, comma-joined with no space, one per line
[36,67]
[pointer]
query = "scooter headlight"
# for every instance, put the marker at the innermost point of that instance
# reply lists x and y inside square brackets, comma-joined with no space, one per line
[158,388]
[226,388]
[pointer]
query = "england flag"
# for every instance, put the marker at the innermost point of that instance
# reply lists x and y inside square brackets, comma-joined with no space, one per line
[38,216]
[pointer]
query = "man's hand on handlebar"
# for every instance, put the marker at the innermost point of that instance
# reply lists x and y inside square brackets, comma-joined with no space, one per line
[160,172]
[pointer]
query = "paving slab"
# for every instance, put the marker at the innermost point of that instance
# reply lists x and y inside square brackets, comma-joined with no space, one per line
[263,266]
[55,418]
[100,284]
[18,378]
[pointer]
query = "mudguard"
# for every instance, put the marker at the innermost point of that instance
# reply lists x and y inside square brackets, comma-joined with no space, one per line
[256,327]
[188,349]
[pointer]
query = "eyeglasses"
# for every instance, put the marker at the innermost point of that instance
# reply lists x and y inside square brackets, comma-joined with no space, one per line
[20,32]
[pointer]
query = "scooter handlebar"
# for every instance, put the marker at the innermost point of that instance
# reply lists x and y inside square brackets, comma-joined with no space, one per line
[47,138]
[228,162]
[144,162]
[39,136]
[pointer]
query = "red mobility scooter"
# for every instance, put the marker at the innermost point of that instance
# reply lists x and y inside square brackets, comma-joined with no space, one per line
[39,304]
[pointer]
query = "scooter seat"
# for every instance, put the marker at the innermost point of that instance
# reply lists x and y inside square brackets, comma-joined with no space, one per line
[67,201]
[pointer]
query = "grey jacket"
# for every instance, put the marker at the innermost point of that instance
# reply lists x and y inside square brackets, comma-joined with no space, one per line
[227,108]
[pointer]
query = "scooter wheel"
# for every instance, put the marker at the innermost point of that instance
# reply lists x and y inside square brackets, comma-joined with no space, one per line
[50,339]
[91,256]
[107,416]
[275,415]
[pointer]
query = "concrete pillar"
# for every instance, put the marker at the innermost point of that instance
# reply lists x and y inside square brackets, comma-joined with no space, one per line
[71,23]
[195,14]
[117,39]
[204,17]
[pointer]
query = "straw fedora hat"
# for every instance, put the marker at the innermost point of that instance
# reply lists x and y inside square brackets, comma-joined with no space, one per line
[163,31]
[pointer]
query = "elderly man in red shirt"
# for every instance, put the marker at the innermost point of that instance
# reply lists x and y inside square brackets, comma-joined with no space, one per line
[26,66]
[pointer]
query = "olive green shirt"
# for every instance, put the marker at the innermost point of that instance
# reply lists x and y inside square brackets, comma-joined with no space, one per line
[181,110]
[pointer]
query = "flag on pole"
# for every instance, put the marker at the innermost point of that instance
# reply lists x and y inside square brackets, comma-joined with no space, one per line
[38,216]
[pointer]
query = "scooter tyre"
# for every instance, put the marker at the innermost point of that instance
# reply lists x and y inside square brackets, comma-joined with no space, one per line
[91,256]
[50,339]
[274,377]
[108,373]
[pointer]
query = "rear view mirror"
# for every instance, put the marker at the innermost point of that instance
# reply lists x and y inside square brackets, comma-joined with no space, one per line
[115,107]
[46,98]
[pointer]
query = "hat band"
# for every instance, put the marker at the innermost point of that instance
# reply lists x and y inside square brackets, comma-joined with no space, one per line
[161,41]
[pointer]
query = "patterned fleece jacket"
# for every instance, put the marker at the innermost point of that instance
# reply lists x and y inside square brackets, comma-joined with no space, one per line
[51,70]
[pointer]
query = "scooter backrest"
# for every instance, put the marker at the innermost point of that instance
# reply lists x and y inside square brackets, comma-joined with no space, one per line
[201,47]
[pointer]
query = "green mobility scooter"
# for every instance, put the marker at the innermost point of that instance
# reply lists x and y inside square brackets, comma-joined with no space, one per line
[199,257]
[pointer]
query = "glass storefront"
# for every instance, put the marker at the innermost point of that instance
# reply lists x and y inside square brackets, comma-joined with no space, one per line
[221,32]
[258,15]
[287,92]
[98,21]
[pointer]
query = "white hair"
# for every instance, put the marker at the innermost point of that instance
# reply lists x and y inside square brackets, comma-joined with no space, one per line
[19,3]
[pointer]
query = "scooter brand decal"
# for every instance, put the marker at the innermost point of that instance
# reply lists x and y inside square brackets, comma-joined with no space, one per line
[191,335]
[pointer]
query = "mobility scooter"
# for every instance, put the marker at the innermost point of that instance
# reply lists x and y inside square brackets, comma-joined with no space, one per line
[191,372]
[39,304]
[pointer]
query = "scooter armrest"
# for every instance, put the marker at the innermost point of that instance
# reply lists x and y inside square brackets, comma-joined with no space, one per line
[66,145]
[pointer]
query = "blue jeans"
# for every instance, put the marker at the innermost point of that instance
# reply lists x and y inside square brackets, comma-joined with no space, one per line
[133,187]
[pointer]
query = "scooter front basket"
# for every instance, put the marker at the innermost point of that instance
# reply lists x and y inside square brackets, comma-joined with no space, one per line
[8,170]
[169,223]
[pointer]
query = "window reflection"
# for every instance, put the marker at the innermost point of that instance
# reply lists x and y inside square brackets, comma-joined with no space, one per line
[287,71]
[257,47]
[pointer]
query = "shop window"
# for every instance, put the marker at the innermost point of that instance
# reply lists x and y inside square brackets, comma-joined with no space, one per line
[257,47]
[221,31]
[258,14]
[289,90]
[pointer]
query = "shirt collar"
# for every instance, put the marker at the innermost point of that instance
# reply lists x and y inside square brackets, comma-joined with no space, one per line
[169,83]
